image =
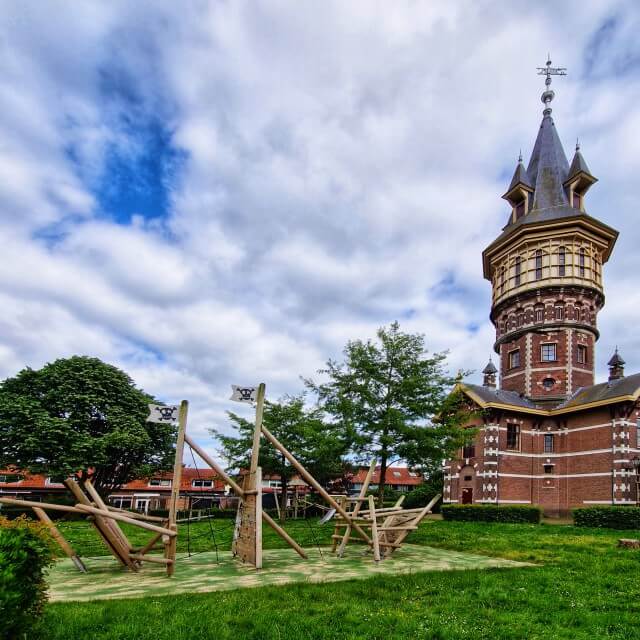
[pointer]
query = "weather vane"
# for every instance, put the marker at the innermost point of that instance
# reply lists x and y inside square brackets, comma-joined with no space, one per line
[549,71]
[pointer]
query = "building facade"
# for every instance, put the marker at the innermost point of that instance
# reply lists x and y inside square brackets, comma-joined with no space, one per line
[547,434]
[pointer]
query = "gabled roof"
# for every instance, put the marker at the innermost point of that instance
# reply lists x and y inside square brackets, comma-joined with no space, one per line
[627,388]
[622,390]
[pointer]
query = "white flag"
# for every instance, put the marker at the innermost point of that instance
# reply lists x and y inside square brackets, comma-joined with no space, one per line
[166,414]
[244,394]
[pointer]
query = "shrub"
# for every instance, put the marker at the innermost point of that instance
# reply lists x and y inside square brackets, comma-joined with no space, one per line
[608,517]
[26,550]
[491,513]
[420,497]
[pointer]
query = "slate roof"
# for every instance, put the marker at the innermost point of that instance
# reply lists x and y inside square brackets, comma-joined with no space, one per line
[520,177]
[604,392]
[578,165]
[499,396]
[490,368]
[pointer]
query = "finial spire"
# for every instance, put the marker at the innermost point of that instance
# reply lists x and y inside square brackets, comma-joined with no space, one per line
[520,156]
[549,71]
[577,144]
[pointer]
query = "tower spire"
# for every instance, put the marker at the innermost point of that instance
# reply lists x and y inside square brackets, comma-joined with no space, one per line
[548,94]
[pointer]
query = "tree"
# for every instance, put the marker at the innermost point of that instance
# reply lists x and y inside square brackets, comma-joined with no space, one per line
[319,446]
[387,394]
[81,416]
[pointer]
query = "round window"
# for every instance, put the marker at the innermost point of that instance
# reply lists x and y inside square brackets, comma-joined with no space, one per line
[548,383]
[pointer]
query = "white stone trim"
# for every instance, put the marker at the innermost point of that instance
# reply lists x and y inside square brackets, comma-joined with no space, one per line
[554,455]
[515,501]
[549,476]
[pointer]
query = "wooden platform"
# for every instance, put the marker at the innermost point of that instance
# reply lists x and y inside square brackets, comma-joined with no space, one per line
[200,573]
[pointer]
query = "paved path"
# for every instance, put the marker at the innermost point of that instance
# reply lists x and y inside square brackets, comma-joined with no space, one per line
[200,573]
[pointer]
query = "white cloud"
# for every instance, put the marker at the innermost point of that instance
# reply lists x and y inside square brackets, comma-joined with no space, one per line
[342,169]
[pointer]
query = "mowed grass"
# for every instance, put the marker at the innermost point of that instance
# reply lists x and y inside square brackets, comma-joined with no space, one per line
[584,588]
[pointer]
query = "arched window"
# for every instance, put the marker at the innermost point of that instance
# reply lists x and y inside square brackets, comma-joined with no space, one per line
[562,261]
[539,264]
[559,311]
[581,262]
[539,313]
[518,271]
[503,273]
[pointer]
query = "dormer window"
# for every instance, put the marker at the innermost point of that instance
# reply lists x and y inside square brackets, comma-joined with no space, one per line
[519,209]
[577,200]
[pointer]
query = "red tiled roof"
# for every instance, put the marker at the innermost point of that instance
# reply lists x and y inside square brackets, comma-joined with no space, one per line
[34,481]
[395,475]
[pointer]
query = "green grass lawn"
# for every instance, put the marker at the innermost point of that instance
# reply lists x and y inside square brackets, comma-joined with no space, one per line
[584,588]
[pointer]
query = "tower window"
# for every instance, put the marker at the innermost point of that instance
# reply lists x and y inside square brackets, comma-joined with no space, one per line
[581,262]
[539,264]
[469,451]
[548,468]
[518,270]
[559,312]
[582,354]
[548,352]
[513,437]
[520,319]
[514,359]
[562,261]
[548,442]
[502,279]
[520,209]
[539,314]
[548,383]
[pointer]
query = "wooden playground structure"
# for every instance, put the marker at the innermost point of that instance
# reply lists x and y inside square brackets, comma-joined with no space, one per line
[357,519]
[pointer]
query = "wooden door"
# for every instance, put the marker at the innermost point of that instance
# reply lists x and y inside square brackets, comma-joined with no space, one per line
[467,495]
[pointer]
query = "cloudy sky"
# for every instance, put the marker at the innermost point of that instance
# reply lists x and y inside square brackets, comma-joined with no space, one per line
[206,193]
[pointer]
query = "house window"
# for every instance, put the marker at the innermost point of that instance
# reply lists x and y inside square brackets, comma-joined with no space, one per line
[539,314]
[202,483]
[548,352]
[562,261]
[513,437]
[559,312]
[159,482]
[539,264]
[469,451]
[10,478]
[582,354]
[121,502]
[581,262]
[548,442]
[514,359]
[548,468]
[468,478]
[518,270]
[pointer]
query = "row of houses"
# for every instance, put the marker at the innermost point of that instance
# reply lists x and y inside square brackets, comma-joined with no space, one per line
[199,488]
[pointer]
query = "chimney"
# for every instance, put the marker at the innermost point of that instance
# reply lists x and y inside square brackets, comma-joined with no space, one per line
[489,375]
[616,366]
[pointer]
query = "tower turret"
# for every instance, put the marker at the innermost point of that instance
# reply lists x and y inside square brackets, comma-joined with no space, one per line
[546,271]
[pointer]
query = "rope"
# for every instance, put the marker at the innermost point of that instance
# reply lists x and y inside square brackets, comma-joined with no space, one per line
[211,530]
[313,535]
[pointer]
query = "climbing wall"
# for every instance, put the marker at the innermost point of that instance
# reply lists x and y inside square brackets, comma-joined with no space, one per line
[247,536]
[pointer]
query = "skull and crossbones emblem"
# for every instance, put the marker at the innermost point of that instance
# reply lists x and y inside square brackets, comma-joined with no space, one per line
[167,414]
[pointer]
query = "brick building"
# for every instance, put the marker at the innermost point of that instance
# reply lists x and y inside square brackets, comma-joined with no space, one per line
[548,435]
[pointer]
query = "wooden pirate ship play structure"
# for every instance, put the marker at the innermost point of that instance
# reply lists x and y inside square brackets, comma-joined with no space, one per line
[382,530]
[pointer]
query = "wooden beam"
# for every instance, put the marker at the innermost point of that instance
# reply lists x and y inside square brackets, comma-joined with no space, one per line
[215,466]
[40,505]
[416,521]
[117,531]
[136,515]
[155,559]
[118,516]
[113,544]
[313,482]
[151,544]
[60,539]
[283,534]
[356,509]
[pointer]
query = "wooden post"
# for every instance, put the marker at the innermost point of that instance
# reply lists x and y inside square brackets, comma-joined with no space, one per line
[255,450]
[114,515]
[356,509]
[117,531]
[374,529]
[215,466]
[59,538]
[170,552]
[313,482]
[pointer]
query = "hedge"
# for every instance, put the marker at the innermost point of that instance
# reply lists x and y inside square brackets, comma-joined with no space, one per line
[26,550]
[421,496]
[608,517]
[491,513]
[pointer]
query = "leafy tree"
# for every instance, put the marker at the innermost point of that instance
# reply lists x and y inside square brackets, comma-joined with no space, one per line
[319,446]
[387,394]
[81,415]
